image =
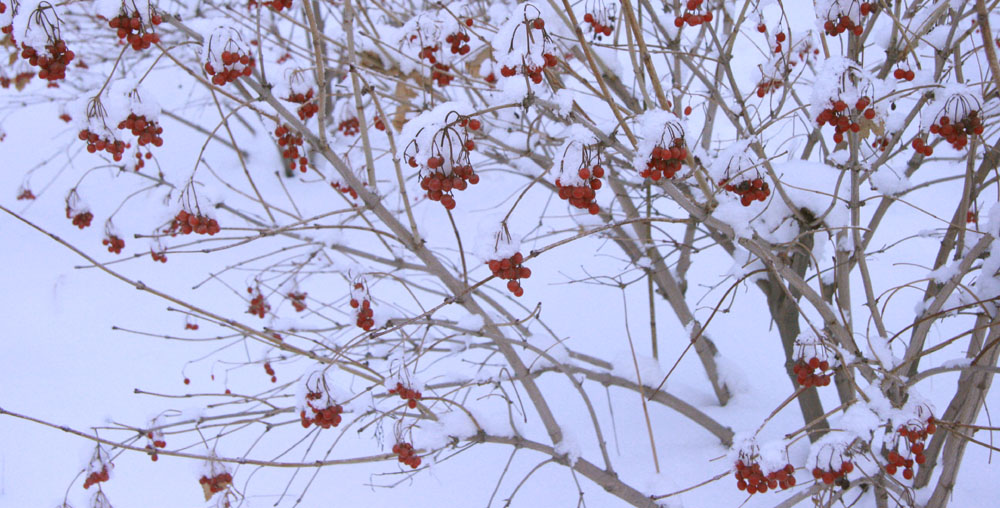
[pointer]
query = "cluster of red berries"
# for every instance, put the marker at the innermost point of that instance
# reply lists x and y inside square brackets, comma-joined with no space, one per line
[692,15]
[365,316]
[957,133]
[97,143]
[439,184]
[459,41]
[829,477]
[96,477]
[114,243]
[510,269]
[186,223]
[768,85]
[881,143]
[905,75]
[665,162]
[234,65]
[807,375]
[778,39]
[406,455]
[365,319]
[276,5]
[532,71]
[146,130]
[379,124]
[53,66]
[582,196]
[599,28]
[749,190]
[410,396]
[129,28]
[25,194]
[838,115]
[190,326]
[322,418]
[298,300]
[921,147]
[439,71]
[843,23]
[258,306]
[157,442]
[349,127]
[290,142]
[215,484]
[750,478]
[161,257]
[80,219]
[270,371]
[916,437]
[346,189]
[308,108]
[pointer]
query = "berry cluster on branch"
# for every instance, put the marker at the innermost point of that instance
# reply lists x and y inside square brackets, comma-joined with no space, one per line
[186,223]
[665,161]
[694,14]
[511,270]
[324,417]
[130,29]
[406,454]
[409,395]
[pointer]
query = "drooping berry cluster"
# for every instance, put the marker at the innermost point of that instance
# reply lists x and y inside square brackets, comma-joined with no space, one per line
[114,244]
[323,418]
[913,435]
[131,29]
[307,107]
[812,372]
[25,194]
[298,300]
[598,24]
[410,396]
[52,65]
[840,20]
[768,85]
[234,65]
[510,269]
[162,257]
[349,127]
[693,15]
[406,454]
[346,189]
[750,190]
[581,188]
[448,175]
[530,69]
[186,223]
[957,133]
[269,370]
[190,326]
[365,314]
[148,131]
[96,477]
[440,73]
[290,141]
[459,41]
[839,115]
[215,484]
[156,441]
[666,162]
[80,218]
[97,143]
[258,305]
[751,478]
